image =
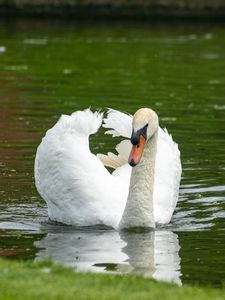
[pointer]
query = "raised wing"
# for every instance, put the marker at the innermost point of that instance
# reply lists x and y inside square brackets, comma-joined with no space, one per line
[77,187]
[167,177]
[119,124]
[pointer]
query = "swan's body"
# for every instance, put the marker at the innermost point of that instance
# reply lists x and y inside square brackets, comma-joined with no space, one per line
[80,191]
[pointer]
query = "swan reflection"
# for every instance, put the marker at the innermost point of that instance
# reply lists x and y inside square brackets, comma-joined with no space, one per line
[151,254]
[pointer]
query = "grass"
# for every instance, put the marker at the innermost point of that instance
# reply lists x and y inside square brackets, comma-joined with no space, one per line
[44,280]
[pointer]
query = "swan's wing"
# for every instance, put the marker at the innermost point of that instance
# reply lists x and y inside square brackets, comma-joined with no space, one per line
[167,177]
[119,124]
[115,161]
[167,166]
[75,184]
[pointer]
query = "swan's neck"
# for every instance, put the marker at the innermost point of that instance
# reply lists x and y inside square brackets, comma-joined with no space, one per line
[139,207]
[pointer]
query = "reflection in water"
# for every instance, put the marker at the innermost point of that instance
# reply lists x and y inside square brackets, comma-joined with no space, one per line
[151,254]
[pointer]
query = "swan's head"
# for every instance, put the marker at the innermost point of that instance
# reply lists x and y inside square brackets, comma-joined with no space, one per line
[145,124]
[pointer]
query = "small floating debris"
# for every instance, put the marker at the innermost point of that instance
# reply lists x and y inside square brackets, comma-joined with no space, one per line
[43,41]
[67,71]
[208,36]
[2,49]
[210,56]
[16,68]
[169,119]
[214,81]
[219,107]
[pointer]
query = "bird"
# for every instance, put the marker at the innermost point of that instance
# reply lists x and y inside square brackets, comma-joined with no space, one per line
[81,190]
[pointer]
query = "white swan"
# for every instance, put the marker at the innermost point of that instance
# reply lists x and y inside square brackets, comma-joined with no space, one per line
[78,188]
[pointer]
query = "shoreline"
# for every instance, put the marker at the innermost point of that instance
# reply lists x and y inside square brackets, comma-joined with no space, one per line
[147,10]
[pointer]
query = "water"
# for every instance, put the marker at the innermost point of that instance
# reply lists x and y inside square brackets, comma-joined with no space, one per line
[50,68]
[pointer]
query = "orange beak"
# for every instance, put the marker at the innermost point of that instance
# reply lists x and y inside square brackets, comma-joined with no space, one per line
[136,152]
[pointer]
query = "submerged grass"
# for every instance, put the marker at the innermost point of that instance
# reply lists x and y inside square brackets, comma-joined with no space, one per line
[44,280]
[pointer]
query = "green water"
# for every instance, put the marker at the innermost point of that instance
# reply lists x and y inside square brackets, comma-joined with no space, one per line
[50,68]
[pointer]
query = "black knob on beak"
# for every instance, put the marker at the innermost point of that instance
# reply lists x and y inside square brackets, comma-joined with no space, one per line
[135,137]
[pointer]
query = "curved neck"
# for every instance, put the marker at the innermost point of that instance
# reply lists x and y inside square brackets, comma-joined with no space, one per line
[139,207]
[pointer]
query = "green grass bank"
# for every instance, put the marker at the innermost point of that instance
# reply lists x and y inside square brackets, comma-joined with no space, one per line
[32,280]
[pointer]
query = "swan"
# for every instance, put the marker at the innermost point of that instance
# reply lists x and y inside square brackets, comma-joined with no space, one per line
[78,188]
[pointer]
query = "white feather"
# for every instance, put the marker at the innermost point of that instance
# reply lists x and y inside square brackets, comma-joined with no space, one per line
[115,161]
[120,124]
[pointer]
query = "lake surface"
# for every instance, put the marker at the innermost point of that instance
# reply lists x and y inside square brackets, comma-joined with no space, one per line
[50,68]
